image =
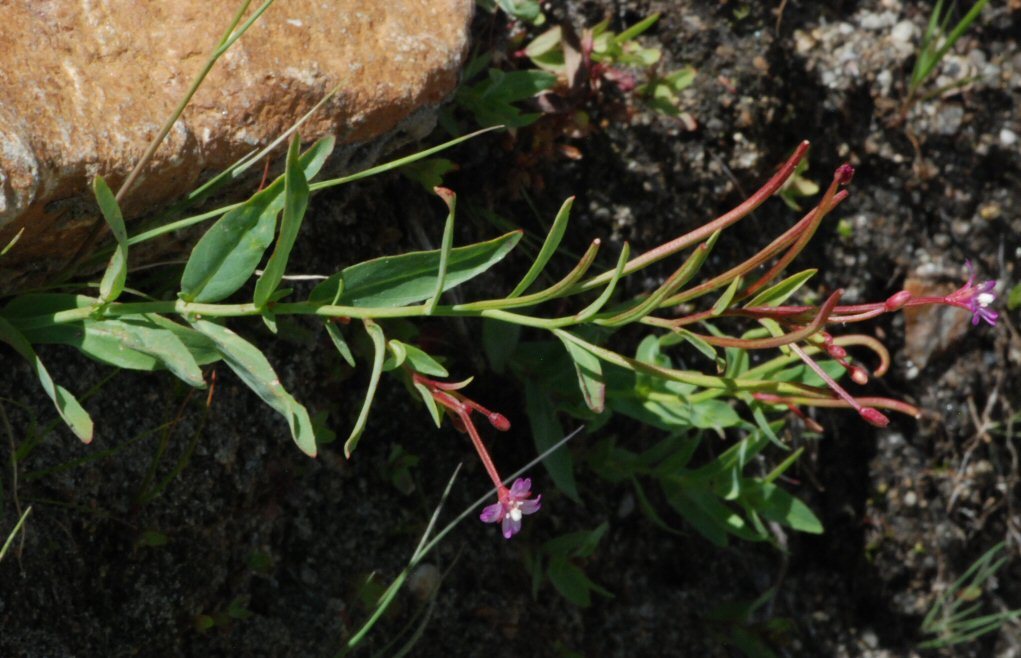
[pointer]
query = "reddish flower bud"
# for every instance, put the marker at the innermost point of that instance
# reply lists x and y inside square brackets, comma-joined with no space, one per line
[858,375]
[874,417]
[898,300]
[844,174]
[836,351]
[499,421]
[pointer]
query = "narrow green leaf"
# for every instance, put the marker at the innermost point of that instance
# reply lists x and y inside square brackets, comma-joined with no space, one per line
[782,467]
[589,311]
[446,245]
[295,203]
[409,278]
[636,29]
[421,362]
[696,341]
[70,411]
[430,403]
[338,341]
[379,345]
[117,270]
[546,431]
[14,241]
[673,283]
[723,303]
[777,505]
[252,368]
[157,342]
[549,247]
[14,531]
[779,293]
[590,375]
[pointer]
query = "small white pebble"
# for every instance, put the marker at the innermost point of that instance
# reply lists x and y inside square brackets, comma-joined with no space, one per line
[903,32]
[1008,137]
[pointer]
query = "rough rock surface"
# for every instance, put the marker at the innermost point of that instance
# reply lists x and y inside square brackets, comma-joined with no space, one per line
[86,86]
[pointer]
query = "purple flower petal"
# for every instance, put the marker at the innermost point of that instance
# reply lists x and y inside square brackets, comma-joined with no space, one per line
[531,506]
[493,513]
[510,526]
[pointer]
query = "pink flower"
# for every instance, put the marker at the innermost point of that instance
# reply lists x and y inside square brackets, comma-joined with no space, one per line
[513,504]
[976,298]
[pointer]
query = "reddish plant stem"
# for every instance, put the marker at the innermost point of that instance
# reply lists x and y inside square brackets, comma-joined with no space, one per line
[704,231]
[789,236]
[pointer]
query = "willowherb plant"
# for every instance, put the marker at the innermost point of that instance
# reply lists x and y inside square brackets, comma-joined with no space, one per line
[121,326]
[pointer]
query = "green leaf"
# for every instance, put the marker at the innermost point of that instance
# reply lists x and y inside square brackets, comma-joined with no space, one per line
[696,341]
[635,30]
[226,256]
[228,253]
[251,367]
[397,355]
[409,278]
[549,247]
[580,544]
[492,100]
[420,361]
[571,582]
[446,245]
[723,303]
[428,173]
[105,340]
[1014,297]
[524,10]
[117,270]
[546,431]
[144,337]
[14,241]
[70,411]
[590,375]
[379,346]
[779,293]
[338,341]
[295,204]
[430,403]
[777,505]
[713,414]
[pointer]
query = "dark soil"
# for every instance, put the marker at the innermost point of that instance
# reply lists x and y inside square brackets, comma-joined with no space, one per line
[275,548]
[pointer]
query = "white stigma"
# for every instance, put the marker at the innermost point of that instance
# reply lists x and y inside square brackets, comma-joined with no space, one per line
[515,512]
[984,299]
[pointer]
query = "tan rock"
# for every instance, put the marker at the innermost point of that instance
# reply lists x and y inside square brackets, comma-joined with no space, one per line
[84,87]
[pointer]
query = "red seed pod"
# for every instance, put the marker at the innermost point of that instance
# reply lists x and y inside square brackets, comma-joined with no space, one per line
[874,417]
[897,300]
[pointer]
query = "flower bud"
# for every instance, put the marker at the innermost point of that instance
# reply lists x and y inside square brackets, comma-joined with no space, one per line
[898,300]
[499,421]
[844,174]
[836,351]
[874,417]
[858,375]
